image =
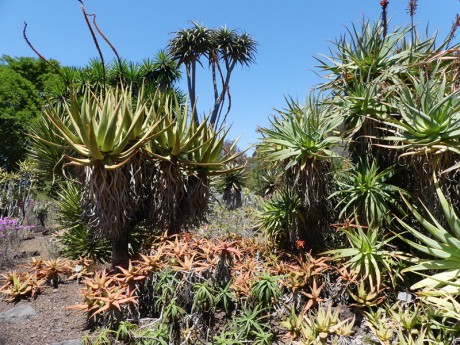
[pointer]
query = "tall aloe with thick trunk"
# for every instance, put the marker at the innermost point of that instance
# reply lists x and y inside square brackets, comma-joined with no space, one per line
[186,155]
[105,132]
[300,140]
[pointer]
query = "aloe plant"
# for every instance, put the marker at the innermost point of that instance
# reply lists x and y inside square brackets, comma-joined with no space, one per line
[430,119]
[185,156]
[105,132]
[300,140]
[364,53]
[104,129]
[364,190]
[280,215]
[369,256]
[442,244]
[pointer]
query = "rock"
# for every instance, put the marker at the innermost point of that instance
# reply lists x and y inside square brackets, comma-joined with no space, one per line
[16,314]
[68,342]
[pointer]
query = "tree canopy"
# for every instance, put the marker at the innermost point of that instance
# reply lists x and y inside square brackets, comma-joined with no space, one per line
[23,84]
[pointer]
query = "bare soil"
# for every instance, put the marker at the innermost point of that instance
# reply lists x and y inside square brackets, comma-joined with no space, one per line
[53,322]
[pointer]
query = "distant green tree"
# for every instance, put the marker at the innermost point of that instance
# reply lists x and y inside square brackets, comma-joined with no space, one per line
[35,70]
[24,83]
[19,106]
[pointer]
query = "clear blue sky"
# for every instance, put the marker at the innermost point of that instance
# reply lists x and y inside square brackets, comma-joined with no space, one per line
[289,34]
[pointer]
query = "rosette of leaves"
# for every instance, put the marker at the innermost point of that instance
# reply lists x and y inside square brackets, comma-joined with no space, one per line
[47,148]
[369,257]
[364,53]
[364,190]
[430,119]
[77,238]
[270,180]
[280,216]
[104,129]
[300,141]
[363,103]
[442,244]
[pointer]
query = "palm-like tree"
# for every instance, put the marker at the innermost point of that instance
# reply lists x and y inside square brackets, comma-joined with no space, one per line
[162,70]
[230,48]
[223,49]
[187,47]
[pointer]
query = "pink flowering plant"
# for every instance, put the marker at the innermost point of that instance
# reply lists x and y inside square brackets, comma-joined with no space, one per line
[11,234]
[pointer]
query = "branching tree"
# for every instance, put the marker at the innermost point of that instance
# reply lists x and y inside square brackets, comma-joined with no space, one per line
[223,49]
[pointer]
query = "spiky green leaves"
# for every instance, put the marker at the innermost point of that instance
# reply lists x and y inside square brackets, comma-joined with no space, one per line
[197,147]
[363,55]
[364,190]
[105,127]
[430,119]
[368,256]
[442,244]
[300,134]
[280,214]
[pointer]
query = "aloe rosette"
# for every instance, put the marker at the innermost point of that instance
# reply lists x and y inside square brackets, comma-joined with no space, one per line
[104,127]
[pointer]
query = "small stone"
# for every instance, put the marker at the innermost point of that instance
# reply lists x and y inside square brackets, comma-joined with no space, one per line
[16,314]
[68,342]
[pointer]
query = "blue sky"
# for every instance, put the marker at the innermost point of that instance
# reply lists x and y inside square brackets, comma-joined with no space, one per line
[289,34]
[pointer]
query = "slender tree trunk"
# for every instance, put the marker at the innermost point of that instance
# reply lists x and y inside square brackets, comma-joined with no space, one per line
[193,95]
[214,80]
[218,103]
[191,90]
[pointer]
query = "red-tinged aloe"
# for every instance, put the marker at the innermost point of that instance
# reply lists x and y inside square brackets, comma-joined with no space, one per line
[130,277]
[114,301]
[20,285]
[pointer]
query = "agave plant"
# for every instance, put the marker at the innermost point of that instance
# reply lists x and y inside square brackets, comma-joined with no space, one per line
[300,140]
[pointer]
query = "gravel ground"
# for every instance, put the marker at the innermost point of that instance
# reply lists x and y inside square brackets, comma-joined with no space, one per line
[53,323]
